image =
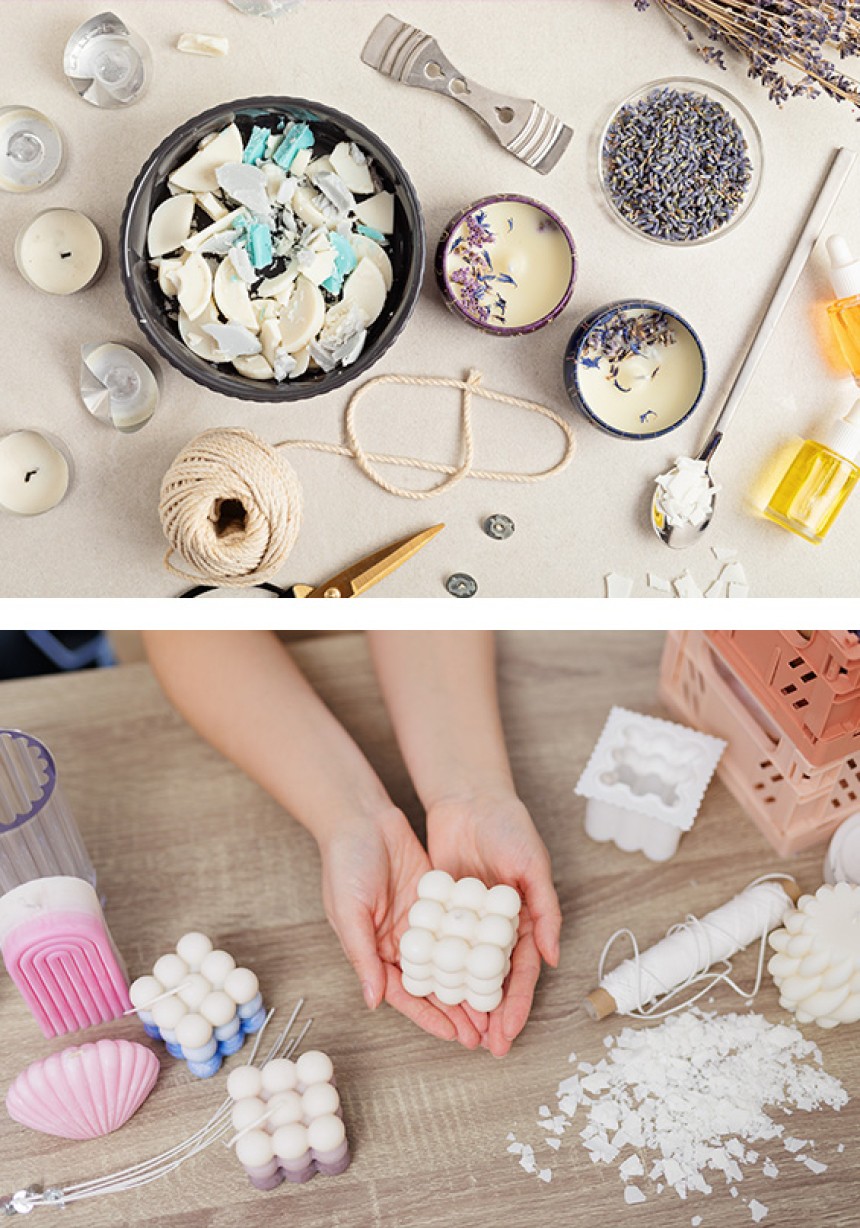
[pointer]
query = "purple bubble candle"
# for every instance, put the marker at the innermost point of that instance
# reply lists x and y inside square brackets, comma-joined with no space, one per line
[506,265]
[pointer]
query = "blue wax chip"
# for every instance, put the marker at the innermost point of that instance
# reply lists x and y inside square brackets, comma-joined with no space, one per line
[260,245]
[372,233]
[256,147]
[344,262]
[298,137]
[152,1030]
[205,1070]
[233,1045]
[252,1025]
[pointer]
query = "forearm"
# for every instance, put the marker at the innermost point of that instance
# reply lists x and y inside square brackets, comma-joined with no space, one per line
[440,689]
[245,695]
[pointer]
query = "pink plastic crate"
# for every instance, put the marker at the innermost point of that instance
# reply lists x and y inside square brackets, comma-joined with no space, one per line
[795,803]
[809,681]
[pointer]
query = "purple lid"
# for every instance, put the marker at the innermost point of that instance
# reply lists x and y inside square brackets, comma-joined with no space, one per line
[28,777]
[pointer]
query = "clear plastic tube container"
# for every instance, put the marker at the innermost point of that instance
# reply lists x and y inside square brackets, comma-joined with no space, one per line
[38,834]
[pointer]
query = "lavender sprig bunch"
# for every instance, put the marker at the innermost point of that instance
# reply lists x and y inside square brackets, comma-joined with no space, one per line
[793,46]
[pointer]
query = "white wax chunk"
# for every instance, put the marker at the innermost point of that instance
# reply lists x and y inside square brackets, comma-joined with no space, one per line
[485,961]
[167,1013]
[34,475]
[417,946]
[255,1149]
[60,251]
[198,173]
[216,967]
[218,1008]
[290,1142]
[253,366]
[503,900]
[203,44]
[194,990]
[171,970]
[314,1067]
[468,893]
[377,212]
[244,1081]
[193,948]
[286,1108]
[249,1111]
[170,224]
[459,923]
[245,184]
[193,283]
[365,290]
[143,990]
[326,1133]
[366,248]
[193,1031]
[242,985]
[319,1100]
[303,316]
[435,885]
[280,1075]
[451,954]
[221,224]
[350,163]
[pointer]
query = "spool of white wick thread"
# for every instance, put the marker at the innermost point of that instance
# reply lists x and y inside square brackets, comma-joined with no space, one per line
[692,948]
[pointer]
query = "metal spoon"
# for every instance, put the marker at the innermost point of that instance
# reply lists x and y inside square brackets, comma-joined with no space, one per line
[683,535]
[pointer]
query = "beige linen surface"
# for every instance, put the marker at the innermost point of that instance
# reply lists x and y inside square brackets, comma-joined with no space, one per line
[578,58]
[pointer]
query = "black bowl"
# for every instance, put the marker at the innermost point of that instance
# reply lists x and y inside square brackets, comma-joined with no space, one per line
[406,248]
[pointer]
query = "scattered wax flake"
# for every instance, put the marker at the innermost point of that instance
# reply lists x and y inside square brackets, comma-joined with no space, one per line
[738,590]
[658,583]
[695,1221]
[633,1194]
[555,1143]
[203,44]
[841,1148]
[527,1159]
[618,586]
[717,589]
[685,494]
[241,262]
[543,1111]
[511,1136]
[734,1192]
[245,184]
[724,554]
[545,1174]
[632,1167]
[814,1166]
[686,586]
[515,1147]
[794,1144]
[265,8]
[757,1210]
[233,340]
[769,1168]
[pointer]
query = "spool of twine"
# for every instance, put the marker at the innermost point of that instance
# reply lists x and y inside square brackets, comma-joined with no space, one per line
[231,508]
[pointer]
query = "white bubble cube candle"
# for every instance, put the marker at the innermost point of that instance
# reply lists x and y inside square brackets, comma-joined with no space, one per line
[289,1120]
[459,942]
[199,1003]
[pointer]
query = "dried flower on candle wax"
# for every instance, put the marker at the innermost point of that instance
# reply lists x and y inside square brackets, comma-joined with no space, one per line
[623,336]
[777,36]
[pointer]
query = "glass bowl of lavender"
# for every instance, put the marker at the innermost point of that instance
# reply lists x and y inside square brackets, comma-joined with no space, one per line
[680,162]
[635,368]
[272,249]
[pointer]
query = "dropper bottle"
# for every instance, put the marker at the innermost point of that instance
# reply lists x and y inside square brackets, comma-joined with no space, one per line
[819,480]
[845,311]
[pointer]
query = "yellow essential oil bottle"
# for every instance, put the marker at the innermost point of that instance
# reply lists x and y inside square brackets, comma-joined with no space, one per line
[819,480]
[845,311]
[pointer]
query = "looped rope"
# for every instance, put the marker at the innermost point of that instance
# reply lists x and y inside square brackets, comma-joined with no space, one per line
[470,388]
[231,506]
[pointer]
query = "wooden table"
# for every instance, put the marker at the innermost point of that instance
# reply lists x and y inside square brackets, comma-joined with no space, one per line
[181,840]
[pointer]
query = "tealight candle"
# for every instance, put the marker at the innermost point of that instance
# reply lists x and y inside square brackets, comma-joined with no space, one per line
[507,265]
[34,474]
[635,369]
[31,149]
[61,251]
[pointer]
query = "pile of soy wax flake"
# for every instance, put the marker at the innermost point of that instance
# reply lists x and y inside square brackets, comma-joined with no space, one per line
[691,1104]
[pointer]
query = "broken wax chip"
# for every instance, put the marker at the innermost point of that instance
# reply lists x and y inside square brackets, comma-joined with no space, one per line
[260,245]
[170,224]
[255,147]
[296,138]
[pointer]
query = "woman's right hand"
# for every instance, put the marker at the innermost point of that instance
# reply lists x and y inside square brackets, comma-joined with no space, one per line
[370,873]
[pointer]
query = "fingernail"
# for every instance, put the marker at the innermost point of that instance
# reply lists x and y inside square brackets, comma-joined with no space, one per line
[369,995]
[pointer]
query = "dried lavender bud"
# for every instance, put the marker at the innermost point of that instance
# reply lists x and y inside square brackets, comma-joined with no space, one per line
[620,336]
[777,36]
[676,165]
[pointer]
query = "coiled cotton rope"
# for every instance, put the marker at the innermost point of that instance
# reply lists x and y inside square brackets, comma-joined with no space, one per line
[231,505]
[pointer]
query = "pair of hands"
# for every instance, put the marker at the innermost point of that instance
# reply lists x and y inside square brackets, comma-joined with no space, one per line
[370,881]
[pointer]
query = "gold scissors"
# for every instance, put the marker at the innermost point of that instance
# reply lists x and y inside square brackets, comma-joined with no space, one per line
[356,579]
[368,571]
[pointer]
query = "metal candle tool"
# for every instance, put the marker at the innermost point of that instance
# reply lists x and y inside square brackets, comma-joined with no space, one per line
[108,64]
[522,126]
